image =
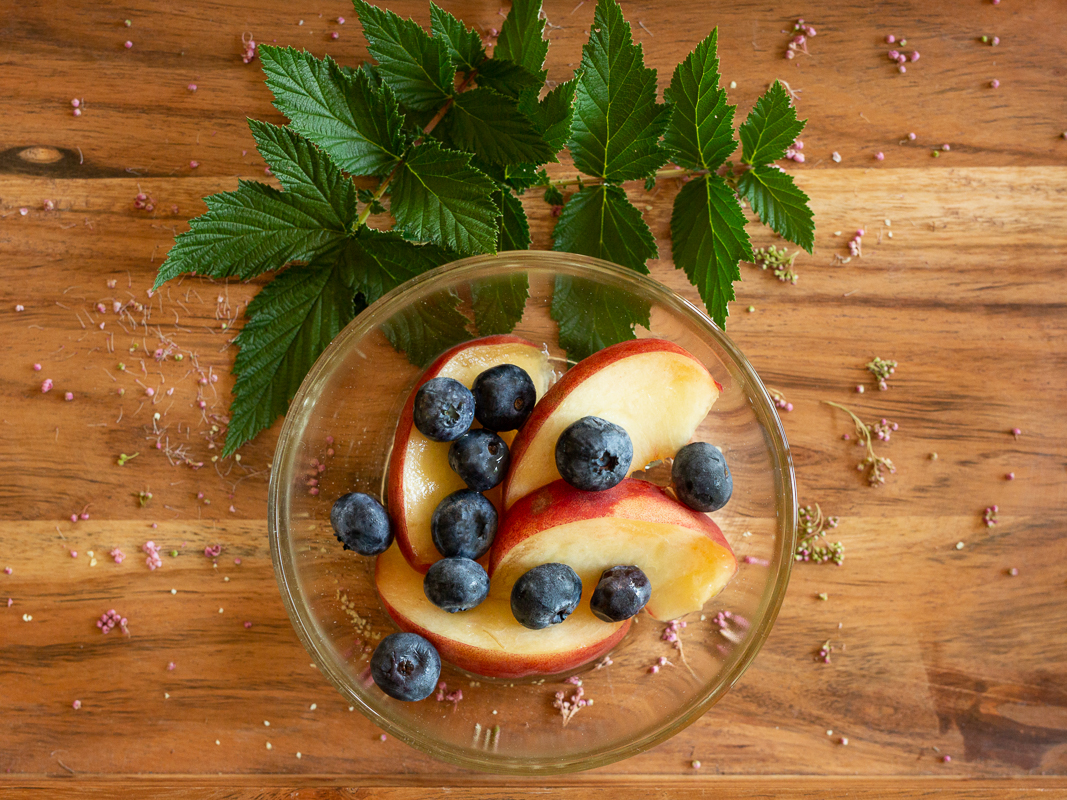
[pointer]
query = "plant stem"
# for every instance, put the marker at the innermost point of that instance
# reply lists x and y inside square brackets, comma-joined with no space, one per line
[380,191]
[861,426]
[672,172]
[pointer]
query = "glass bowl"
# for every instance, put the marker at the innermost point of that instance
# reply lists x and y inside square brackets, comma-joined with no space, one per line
[339,432]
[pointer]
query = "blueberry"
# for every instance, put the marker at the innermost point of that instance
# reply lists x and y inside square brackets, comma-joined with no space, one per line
[456,584]
[701,478]
[620,594]
[405,666]
[464,525]
[361,524]
[545,595]
[481,458]
[504,397]
[444,409]
[593,454]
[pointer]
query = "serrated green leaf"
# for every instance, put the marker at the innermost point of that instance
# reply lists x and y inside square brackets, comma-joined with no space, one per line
[553,196]
[488,123]
[554,115]
[290,322]
[600,221]
[499,302]
[522,39]
[592,316]
[701,131]
[464,44]
[438,197]
[250,231]
[617,121]
[417,67]
[709,240]
[426,330]
[514,229]
[508,78]
[771,127]
[780,204]
[377,262]
[339,109]
[306,172]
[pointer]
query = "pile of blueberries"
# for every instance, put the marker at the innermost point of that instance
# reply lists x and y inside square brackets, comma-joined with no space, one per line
[592,454]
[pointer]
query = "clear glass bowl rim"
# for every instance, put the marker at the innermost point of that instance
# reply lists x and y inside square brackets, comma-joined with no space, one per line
[449,275]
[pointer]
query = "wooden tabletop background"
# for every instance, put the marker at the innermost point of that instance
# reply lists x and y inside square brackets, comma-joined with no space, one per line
[950,671]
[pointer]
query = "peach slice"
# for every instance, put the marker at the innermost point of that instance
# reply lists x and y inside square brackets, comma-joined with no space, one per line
[654,389]
[487,640]
[684,554]
[419,475]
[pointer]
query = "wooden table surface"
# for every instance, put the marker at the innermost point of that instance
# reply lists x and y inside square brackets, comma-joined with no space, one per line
[941,650]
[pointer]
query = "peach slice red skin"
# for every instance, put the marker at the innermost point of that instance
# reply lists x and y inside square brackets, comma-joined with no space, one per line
[500,663]
[558,503]
[573,378]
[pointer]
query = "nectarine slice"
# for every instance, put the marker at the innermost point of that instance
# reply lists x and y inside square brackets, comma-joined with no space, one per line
[487,640]
[684,554]
[653,388]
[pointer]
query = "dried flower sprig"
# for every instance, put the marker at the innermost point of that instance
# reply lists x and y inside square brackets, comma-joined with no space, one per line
[813,527]
[875,464]
[779,260]
[881,369]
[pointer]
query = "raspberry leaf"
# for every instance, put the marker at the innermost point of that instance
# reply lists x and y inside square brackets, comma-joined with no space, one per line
[417,67]
[617,121]
[439,197]
[770,128]
[600,221]
[338,109]
[701,131]
[709,240]
[780,204]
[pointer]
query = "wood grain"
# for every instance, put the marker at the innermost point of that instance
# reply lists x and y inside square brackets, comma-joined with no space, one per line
[944,652]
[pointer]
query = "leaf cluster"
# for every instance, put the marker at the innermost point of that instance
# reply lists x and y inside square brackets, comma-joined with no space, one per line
[444,137]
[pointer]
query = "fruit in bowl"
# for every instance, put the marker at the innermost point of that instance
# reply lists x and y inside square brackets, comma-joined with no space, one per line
[571,549]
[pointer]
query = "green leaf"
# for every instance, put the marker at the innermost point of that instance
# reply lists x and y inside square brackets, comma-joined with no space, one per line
[592,316]
[488,123]
[338,109]
[499,302]
[701,131]
[306,172]
[377,262]
[522,37]
[508,78]
[709,240]
[416,67]
[249,231]
[426,330]
[555,113]
[290,322]
[514,229]
[553,196]
[438,197]
[464,45]
[600,221]
[617,121]
[771,127]
[780,204]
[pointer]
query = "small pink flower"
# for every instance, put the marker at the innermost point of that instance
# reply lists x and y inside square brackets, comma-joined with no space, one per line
[191,87]
[879,156]
[76,704]
[46,385]
[128,44]
[68,396]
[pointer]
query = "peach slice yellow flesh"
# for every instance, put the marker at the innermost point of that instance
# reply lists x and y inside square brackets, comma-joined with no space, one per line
[487,640]
[419,475]
[654,389]
[684,554]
